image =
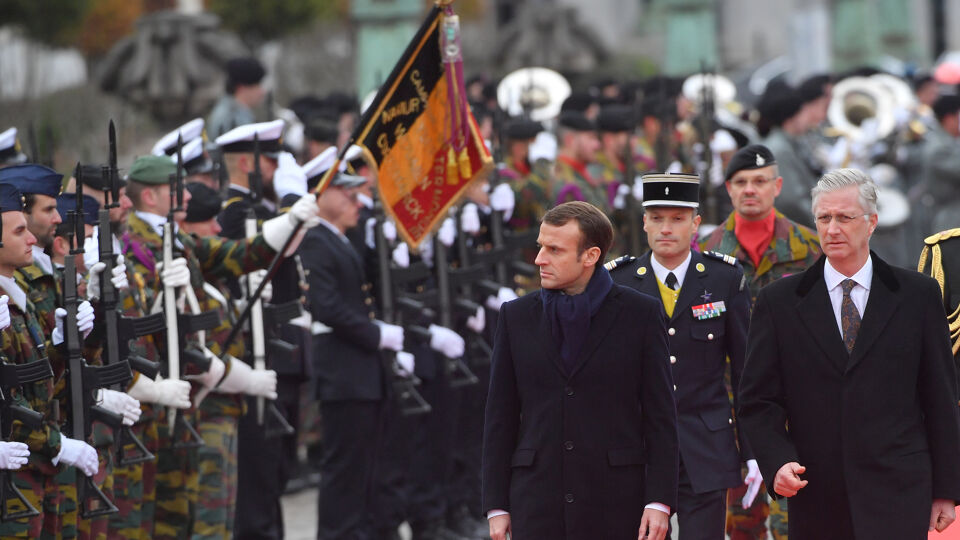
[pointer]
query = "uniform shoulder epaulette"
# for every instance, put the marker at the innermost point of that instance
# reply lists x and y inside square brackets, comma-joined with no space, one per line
[940,236]
[729,259]
[619,261]
[230,202]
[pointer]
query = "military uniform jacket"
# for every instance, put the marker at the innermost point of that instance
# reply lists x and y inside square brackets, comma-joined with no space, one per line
[699,348]
[532,191]
[347,359]
[798,177]
[941,177]
[579,455]
[794,248]
[20,346]
[572,182]
[882,422]
[207,258]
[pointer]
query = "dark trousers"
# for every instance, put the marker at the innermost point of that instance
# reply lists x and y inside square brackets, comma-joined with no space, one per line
[432,462]
[700,516]
[391,478]
[261,475]
[464,486]
[346,468]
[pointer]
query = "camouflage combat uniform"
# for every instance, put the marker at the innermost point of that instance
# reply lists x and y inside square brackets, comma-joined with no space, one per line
[532,193]
[572,182]
[134,486]
[793,249]
[177,481]
[37,479]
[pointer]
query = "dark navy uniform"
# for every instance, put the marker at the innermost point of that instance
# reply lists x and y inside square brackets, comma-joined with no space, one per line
[709,324]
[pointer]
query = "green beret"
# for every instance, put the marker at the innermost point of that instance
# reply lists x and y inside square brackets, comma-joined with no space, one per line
[152,170]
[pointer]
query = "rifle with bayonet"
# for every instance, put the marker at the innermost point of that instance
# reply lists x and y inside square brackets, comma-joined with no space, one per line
[180,324]
[460,374]
[705,128]
[264,319]
[119,329]
[85,380]
[404,386]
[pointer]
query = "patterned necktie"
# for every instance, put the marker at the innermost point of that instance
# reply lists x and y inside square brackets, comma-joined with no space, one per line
[849,316]
[671,281]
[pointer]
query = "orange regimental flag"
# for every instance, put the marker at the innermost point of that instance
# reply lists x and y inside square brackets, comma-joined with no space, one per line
[419,132]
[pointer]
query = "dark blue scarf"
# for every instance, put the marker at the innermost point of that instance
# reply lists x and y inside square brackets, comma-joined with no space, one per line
[570,316]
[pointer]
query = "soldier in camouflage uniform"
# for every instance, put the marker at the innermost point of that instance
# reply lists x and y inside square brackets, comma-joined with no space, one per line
[531,189]
[578,148]
[769,246]
[26,342]
[219,413]
[205,258]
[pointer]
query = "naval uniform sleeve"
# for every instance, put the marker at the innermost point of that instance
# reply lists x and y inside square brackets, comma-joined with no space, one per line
[659,412]
[937,391]
[220,258]
[501,425]
[762,414]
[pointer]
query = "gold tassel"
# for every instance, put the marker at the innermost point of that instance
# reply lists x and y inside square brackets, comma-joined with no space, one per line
[466,171]
[936,268]
[923,259]
[453,176]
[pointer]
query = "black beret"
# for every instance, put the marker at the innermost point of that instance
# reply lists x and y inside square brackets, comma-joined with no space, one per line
[520,129]
[247,70]
[306,106]
[945,105]
[779,104]
[321,129]
[813,87]
[615,118]
[93,177]
[342,102]
[656,107]
[204,203]
[576,121]
[920,79]
[577,102]
[754,156]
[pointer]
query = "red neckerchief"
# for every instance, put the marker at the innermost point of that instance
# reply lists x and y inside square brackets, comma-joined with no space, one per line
[754,236]
[521,167]
[580,167]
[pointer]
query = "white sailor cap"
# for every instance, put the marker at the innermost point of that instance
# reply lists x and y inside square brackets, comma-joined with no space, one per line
[316,167]
[10,153]
[240,139]
[194,160]
[167,145]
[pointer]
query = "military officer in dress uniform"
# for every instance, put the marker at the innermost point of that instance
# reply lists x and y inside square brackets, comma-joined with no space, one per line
[706,304]
[941,258]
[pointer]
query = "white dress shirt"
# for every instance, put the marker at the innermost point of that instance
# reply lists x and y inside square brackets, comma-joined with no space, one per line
[859,294]
[662,271]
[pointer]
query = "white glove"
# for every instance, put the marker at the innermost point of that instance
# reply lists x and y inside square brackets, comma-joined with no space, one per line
[391,336]
[469,219]
[120,403]
[369,238]
[168,392]
[447,233]
[401,255]
[288,178]
[754,482]
[85,319]
[620,199]
[446,341]
[638,188]
[178,275]
[13,455]
[406,362]
[478,321]
[79,454]
[504,200]
[243,379]
[118,276]
[278,229]
[306,211]
[255,278]
[4,313]
[389,230]
[503,295]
